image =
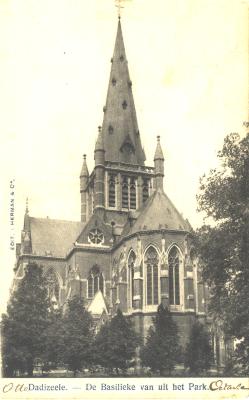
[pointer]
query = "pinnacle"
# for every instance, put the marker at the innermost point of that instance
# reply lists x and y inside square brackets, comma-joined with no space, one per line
[99,143]
[84,169]
[158,152]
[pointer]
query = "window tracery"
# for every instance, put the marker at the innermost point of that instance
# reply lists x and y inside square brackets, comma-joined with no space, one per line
[151,260]
[95,282]
[145,190]
[112,191]
[174,281]
[96,236]
[129,193]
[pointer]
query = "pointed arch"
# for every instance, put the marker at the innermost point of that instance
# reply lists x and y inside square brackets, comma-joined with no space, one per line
[133,194]
[154,247]
[145,190]
[131,276]
[112,191]
[174,256]
[151,260]
[95,281]
[178,248]
[125,192]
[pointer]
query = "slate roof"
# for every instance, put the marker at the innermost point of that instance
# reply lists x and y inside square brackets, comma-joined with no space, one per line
[158,213]
[53,236]
[120,128]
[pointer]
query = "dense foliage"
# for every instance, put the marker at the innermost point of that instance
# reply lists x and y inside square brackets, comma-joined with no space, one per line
[116,343]
[198,353]
[78,335]
[224,246]
[161,351]
[25,323]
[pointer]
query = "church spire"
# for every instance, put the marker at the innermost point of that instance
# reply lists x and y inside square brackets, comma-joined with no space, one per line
[120,129]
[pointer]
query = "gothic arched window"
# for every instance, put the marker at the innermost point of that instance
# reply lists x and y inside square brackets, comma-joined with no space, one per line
[125,193]
[95,282]
[131,283]
[129,193]
[112,191]
[145,190]
[133,197]
[151,260]
[174,282]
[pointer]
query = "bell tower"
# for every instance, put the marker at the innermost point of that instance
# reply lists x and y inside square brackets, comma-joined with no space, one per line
[120,180]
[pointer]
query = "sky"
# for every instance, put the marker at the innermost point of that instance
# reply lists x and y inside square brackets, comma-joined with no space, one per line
[188,61]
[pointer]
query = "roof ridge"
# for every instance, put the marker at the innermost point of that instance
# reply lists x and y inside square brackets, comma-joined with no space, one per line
[55,219]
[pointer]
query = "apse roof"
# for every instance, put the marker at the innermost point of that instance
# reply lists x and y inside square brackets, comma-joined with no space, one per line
[159,213]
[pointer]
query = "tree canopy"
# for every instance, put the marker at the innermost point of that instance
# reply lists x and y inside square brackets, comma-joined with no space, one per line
[161,351]
[25,323]
[224,246]
[78,328]
[198,352]
[115,344]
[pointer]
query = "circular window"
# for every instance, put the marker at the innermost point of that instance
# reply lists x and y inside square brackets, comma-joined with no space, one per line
[96,236]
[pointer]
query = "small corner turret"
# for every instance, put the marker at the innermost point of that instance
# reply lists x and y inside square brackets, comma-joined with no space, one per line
[84,177]
[99,181]
[159,165]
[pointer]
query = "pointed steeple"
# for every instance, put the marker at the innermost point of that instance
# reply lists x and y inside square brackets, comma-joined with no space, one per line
[84,169]
[26,246]
[158,152]
[84,175]
[120,129]
[99,145]
[159,165]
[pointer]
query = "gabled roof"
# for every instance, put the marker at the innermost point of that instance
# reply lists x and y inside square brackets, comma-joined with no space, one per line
[98,305]
[120,121]
[52,236]
[95,222]
[158,213]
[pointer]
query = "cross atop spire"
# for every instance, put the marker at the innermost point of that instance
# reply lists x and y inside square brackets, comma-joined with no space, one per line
[119,6]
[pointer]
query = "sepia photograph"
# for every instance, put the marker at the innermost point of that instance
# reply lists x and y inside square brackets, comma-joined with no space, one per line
[125,191]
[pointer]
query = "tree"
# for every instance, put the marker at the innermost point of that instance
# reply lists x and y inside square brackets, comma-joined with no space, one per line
[25,322]
[224,246]
[54,346]
[161,351]
[115,344]
[198,353]
[78,335]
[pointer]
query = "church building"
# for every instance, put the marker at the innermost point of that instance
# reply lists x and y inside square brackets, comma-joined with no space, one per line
[131,249]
